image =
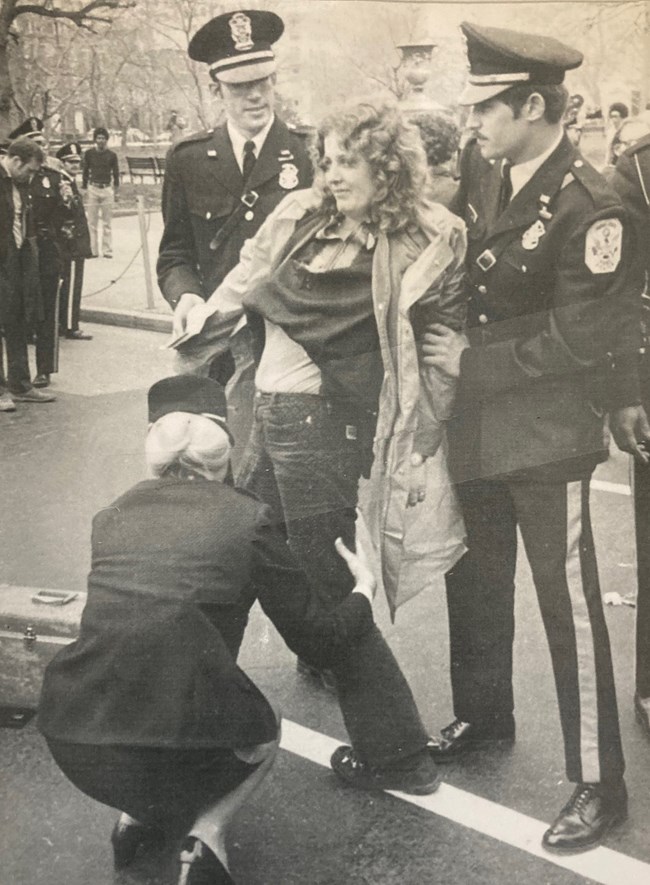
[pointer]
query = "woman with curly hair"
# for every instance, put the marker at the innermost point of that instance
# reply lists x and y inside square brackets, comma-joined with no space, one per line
[337,286]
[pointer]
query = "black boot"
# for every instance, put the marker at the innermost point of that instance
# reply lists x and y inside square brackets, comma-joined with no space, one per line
[129,838]
[201,866]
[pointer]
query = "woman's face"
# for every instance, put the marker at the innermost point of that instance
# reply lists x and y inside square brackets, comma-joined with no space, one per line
[349,178]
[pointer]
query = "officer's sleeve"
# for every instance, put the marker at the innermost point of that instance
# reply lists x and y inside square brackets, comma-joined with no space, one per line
[445,302]
[311,631]
[177,258]
[591,287]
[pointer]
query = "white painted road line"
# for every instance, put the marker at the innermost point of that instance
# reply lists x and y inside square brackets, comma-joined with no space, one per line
[489,818]
[618,488]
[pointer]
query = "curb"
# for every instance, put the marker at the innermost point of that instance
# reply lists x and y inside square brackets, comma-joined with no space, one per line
[130,319]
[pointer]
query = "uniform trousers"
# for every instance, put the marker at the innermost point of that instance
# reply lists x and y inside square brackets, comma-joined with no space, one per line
[70,294]
[47,330]
[642,523]
[12,318]
[555,525]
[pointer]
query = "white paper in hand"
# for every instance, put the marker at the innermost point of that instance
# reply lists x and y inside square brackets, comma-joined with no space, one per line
[194,324]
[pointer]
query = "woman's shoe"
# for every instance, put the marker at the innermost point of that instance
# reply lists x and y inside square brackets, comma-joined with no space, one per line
[201,866]
[128,839]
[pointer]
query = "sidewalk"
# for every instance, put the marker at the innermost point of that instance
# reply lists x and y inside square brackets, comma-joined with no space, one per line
[114,289]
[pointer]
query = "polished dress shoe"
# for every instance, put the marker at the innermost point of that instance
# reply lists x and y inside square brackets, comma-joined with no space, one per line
[129,838]
[642,712]
[460,737]
[588,815]
[41,381]
[6,403]
[421,779]
[78,335]
[201,866]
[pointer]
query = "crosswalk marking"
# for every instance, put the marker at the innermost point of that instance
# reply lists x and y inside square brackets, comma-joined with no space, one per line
[518,830]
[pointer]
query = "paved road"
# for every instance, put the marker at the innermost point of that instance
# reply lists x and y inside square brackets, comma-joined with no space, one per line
[62,462]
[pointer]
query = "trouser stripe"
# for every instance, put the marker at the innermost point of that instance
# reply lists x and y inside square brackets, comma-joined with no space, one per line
[586,656]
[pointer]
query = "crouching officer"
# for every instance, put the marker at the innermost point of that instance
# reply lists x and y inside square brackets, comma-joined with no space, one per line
[51,200]
[75,244]
[546,266]
[630,425]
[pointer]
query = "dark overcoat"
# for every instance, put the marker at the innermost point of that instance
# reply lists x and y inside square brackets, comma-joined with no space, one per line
[546,280]
[75,235]
[176,566]
[202,189]
[19,279]
[51,214]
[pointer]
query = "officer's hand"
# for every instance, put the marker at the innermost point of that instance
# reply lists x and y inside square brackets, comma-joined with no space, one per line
[418,480]
[630,429]
[66,192]
[186,302]
[442,349]
[359,569]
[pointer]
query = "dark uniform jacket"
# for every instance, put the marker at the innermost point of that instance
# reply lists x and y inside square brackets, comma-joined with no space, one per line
[203,187]
[18,281]
[50,216]
[176,566]
[545,278]
[75,235]
[631,181]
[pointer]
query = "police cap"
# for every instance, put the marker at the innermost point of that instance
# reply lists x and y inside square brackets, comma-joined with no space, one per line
[238,45]
[189,393]
[31,126]
[70,151]
[500,58]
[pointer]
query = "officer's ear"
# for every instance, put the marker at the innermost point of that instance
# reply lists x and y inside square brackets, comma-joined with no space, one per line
[534,107]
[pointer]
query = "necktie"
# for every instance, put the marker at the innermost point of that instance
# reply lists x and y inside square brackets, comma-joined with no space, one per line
[505,194]
[249,159]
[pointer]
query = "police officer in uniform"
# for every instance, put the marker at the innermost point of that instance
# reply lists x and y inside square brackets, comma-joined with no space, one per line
[76,248]
[629,424]
[546,274]
[220,185]
[51,200]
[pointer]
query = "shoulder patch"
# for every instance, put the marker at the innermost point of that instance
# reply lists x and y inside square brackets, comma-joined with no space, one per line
[603,245]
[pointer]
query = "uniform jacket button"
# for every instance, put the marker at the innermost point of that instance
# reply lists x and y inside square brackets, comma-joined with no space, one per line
[482,290]
[482,318]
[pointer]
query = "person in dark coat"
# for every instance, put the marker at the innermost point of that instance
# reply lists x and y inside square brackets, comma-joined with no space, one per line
[76,248]
[51,199]
[547,263]
[19,281]
[221,184]
[629,424]
[148,711]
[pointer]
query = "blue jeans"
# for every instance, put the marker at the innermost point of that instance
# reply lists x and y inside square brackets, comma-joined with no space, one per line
[304,459]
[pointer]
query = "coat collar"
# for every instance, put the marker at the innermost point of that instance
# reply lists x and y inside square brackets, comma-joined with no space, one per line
[524,207]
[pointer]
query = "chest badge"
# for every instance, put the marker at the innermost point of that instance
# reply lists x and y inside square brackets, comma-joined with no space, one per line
[212,152]
[288,176]
[532,236]
[46,182]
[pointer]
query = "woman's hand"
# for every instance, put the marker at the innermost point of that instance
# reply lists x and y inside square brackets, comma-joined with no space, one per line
[417,481]
[359,569]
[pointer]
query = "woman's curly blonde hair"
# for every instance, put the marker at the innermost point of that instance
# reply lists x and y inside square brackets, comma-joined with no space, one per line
[393,149]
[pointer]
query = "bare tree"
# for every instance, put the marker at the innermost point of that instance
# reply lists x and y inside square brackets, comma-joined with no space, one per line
[88,16]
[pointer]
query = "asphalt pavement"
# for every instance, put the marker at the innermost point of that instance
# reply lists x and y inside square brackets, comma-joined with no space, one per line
[61,462]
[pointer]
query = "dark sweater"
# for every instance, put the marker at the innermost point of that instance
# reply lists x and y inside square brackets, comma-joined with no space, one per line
[99,167]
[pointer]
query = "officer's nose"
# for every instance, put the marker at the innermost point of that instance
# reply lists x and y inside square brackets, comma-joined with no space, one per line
[474,120]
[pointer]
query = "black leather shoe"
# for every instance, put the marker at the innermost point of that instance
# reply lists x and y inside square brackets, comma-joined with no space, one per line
[421,780]
[642,712]
[41,381]
[588,815]
[128,839]
[200,866]
[460,737]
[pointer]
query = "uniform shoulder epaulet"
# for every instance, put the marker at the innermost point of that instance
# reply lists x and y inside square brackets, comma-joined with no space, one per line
[193,138]
[49,169]
[593,182]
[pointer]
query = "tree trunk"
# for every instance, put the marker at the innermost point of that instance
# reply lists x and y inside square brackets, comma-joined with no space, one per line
[6,89]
